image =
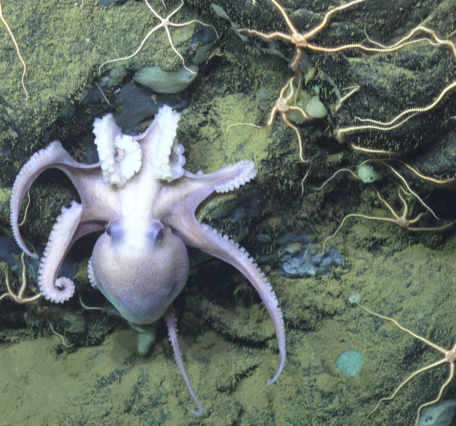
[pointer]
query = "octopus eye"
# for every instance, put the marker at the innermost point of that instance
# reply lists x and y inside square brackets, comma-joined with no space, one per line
[160,235]
[115,231]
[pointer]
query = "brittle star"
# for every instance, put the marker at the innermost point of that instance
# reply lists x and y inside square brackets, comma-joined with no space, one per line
[301,40]
[402,219]
[282,106]
[165,23]
[449,357]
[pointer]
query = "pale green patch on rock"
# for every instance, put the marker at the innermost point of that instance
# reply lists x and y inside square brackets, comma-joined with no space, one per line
[166,81]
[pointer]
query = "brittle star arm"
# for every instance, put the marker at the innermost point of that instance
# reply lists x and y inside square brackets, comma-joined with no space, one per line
[286,17]
[193,233]
[449,356]
[442,388]
[359,46]
[328,15]
[18,52]
[136,51]
[408,113]
[19,297]
[428,179]
[394,122]
[271,36]
[404,181]
[437,41]
[407,380]
[298,134]
[359,215]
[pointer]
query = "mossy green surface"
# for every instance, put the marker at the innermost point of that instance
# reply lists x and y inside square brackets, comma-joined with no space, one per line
[226,336]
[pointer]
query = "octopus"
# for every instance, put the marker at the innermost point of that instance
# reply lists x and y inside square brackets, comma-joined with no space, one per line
[143,201]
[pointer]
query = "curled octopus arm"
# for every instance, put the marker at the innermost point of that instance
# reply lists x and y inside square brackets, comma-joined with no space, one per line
[53,156]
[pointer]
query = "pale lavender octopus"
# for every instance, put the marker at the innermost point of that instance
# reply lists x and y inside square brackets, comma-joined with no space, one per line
[144,200]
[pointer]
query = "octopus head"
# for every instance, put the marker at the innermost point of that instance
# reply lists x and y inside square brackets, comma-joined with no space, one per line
[140,268]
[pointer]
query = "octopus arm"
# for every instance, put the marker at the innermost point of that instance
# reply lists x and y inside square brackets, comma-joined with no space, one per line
[171,323]
[54,155]
[228,178]
[195,234]
[60,240]
[221,246]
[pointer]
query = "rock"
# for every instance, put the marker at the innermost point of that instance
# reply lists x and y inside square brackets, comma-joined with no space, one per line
[166,82]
